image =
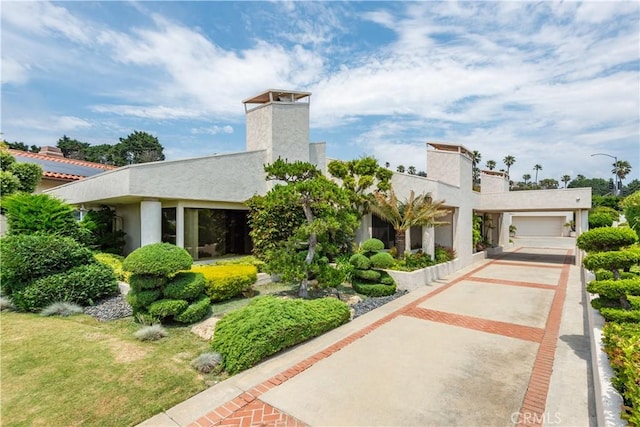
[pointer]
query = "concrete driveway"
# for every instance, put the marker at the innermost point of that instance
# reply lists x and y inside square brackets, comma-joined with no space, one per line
[498,344]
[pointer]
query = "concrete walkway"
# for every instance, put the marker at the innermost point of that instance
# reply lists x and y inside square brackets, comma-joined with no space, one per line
[501,343]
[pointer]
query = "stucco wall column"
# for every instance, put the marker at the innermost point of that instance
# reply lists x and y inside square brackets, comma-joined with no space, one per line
[429,240]
[180,225]
[150,222]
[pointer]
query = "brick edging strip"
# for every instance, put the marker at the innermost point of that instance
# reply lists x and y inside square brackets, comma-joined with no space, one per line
[532,412]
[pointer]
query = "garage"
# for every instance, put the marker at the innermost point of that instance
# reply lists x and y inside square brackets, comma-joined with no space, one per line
[539,225]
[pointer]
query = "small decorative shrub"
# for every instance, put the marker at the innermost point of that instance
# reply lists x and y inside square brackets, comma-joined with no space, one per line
[63,309]
[26,258]
[615,288]
[611,260]
[224,282]
[81,285]
[382,260]
[158,259]
[620,315]
[631,208]
[360,261]
[140,282]
[372,245]
[249,260]
[623,348]
[185,285]
[444,254]
[194,312]
[207,362]
[268,325]
[167,307]
[115,262]
[151,333]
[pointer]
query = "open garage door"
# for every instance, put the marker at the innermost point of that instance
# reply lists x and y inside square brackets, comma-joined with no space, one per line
[539,225]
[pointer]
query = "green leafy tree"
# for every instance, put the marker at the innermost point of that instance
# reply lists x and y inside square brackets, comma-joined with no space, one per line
[537,168]
[17,176]
[72,148]
[599,186]
[631,207]
[138,147]
[565,179]
[548,184]
[411,170]
[400,168]
[415,211]
[41,213]
[359,177]
[491,164]
[633,186]
[23,147]
[509,161]
[327,212]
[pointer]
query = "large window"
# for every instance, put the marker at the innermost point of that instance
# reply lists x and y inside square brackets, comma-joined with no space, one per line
[210,233]
[169,225]
[381,229]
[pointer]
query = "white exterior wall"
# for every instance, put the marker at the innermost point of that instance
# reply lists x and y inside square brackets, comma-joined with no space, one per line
[317,155]
[130,215]
[492,183]
[103,186]
[536,200]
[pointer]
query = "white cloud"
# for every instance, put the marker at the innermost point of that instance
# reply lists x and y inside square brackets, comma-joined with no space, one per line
[212,130]
[149,112]
[50,123]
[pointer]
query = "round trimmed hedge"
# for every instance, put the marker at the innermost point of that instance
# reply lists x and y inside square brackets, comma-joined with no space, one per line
[360,261]
[158,259]
[374,290]
[382,260]
[141,282]
[372,245]
[195,311]
[606,239]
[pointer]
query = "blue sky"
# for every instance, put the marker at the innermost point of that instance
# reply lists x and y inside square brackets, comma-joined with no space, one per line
[549,83]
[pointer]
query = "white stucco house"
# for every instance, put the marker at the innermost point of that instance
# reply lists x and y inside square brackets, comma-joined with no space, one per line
[198,203]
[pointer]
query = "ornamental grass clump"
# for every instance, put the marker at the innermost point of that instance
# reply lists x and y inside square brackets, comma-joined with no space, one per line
[63,309]
[207,363]
[160,290]
[151,333]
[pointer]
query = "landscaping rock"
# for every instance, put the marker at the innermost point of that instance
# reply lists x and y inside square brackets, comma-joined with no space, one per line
[372,303]
[110,309]
[205,328]
[353,300]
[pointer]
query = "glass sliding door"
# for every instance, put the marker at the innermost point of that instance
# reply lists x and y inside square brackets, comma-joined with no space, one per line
[211,233]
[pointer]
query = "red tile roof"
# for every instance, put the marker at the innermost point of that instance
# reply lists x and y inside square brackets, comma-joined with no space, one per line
[62,160]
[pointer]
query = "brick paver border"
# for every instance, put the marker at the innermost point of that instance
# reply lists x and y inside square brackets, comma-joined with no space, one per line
[247,410]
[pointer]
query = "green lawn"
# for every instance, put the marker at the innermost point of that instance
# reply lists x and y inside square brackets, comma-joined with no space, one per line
[78,371]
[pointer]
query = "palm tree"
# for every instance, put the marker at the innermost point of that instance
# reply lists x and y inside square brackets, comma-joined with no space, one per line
[509,161]
[526,177]
[420,210]
[411,170]
[475,161]
[565,179]
[400,168]
[621,169]
[537,168]
[491,164]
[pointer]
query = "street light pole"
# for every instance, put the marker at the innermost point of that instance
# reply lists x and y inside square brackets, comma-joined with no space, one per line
[615,173]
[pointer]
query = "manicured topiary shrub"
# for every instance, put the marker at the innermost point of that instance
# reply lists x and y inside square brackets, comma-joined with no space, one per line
[614,288]
[185,285]
[606,239]
[195,311]
[612,261]
[139,300]
[160,290]
[360,261]
[157,259]
[372,245]
[167,307]
[607,275]
[26,258]
[382,260]
[140,282]
[367,276]
[223,282]
[83,285]
[269,324]
[600,219]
